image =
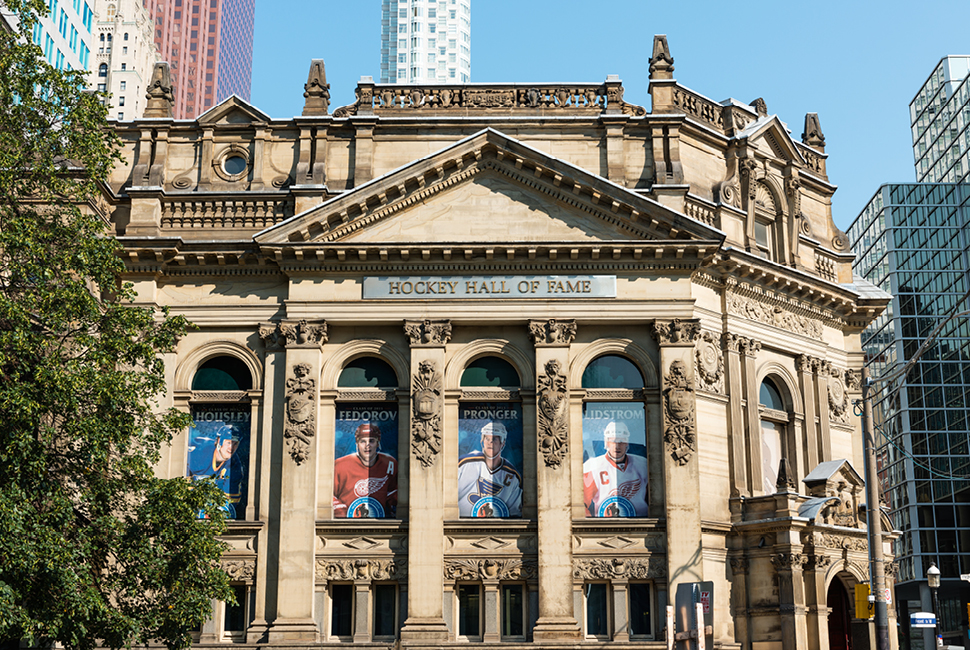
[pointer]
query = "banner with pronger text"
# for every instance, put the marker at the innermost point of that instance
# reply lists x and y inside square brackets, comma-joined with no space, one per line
[490,459]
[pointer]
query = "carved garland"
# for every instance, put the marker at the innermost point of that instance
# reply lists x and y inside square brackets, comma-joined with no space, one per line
[552,414]
[300,424]
[678,413]
[710,364]
[511,569]
[426,413]
[838,398]
[636,569]
[358,570]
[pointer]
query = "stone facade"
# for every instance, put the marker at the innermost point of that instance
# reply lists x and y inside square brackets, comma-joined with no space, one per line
[544,229]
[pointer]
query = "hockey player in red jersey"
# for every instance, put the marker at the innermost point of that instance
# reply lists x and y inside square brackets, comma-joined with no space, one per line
[615,484]
[365,482]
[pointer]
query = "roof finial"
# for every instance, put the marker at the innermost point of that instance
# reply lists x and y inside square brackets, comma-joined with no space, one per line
[316,90]
[661,63]
[160,98]
[786,480]
[812,135]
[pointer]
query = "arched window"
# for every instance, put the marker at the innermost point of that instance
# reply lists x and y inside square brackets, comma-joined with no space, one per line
[109,37]
[490,460]
[219,439]
[774,433]
[112,10]
[126,36]
[103,70]
[767,221]
[102,38]
[615,481]
[366,440]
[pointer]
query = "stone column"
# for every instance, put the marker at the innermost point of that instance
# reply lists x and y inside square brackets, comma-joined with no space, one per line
[557,621]
[681,473]
[739,599]
[493,617]
[362,627]
[259,145]
[791,598]
[298,484]
[823,369]
[804,364]
[425,623]
[816,600]
[736,430]
[750,348]
[621,610]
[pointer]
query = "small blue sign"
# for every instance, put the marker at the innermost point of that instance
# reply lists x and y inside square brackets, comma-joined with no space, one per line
[922,619]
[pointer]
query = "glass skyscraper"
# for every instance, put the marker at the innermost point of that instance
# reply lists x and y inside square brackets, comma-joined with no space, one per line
[426,41]
[940,118]
[913,241]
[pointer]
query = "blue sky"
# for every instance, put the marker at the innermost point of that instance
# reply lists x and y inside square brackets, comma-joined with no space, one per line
[856,64]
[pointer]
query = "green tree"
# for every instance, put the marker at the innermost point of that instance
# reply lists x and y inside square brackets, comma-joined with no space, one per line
[94,549]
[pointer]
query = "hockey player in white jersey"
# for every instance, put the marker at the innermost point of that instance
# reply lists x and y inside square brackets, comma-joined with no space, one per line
[615,484]
[488,485]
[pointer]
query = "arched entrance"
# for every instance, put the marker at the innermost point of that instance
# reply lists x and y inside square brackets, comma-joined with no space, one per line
[840,617]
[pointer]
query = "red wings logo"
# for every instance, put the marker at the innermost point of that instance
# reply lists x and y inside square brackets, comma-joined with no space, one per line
[627,490]
[369,486]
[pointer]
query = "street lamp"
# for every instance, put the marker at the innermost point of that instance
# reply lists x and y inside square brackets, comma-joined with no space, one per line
[933,579]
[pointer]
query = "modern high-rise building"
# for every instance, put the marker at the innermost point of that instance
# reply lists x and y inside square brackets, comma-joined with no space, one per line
[940,117]
[426,41]
[913,241]
[209,45]
[125,54]
[64,33]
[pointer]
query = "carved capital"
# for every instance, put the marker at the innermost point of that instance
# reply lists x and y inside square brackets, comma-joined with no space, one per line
[272,338]
[552,332]
[301,412]
[676,331]
[732,342]
[426,389]
[788,561]
[750,347]
[818,562]
[739,566]
[804,363]
[552,414]
[679,407]
[853,379]
[303,334]
[626,568]
[239,570]
[428,333]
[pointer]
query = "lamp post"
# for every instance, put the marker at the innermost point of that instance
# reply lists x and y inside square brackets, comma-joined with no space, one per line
[933,579]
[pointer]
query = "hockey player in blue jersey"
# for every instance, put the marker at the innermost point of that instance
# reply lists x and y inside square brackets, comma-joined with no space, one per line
[488,485]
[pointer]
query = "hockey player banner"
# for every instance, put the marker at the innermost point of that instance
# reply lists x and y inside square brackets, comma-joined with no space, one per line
[615,460]
[219,448]
[365,469]
[490,459]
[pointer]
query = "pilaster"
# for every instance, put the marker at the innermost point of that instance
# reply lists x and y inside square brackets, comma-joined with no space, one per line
[736,431]
[750,349]
[804,364]
[294,621]
[823,369]
[364,149]
[425,623]
[791,598]
[557,621]
[681,466]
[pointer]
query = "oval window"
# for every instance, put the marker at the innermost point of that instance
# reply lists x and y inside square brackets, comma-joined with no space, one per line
[234,165]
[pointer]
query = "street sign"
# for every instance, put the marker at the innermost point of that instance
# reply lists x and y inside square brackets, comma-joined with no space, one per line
[922,619]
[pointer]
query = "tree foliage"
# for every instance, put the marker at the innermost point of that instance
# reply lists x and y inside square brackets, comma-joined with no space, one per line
[94,549]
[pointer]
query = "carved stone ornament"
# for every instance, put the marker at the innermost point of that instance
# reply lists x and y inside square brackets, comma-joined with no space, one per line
[361,570]
[838,398]
[678,411]
[710,364]
[788,561]
[843,542]
[853,379]
[428,332]
[676,331]
[552,332]
[818,562]
[739,566]
[772,315]
[300,427]
[426,413]
[552,415]
[628,568]
[491,570]
[239,570]
[303,334]
[273,339]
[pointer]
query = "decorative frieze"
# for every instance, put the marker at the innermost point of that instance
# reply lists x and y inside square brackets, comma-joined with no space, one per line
[709,364]
[552,414]
[552,332]
[426,389]
[774,315]
[301,423]
[361,570]
[491,570]
[829,540]
[239,570]
[641,568]
[428,333]
[678,413]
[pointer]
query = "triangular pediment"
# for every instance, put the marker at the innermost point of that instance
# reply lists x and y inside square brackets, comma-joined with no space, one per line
[769,135]
[488,188]
[233,110]
[829,475]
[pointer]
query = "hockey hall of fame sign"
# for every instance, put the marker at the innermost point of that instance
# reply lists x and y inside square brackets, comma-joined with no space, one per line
[365,469]
[485,287]
[615,460]
[490,459]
